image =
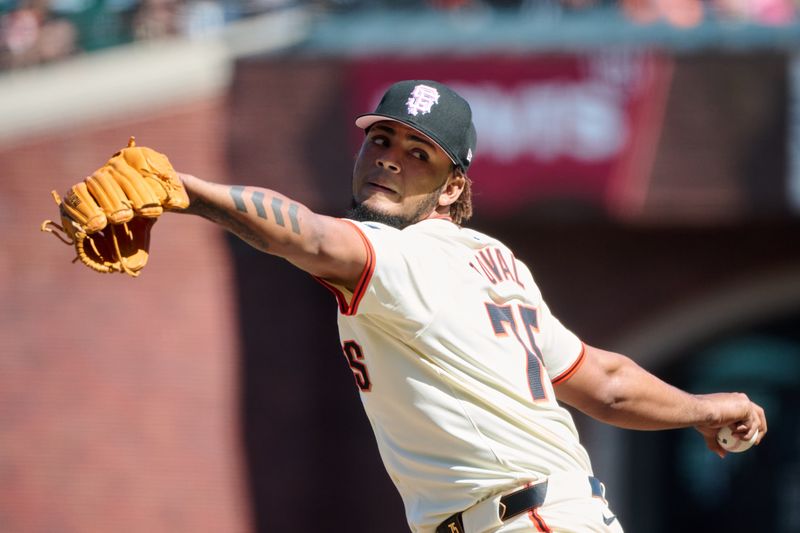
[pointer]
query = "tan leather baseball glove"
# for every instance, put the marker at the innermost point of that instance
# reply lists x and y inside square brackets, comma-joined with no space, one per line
[108,216]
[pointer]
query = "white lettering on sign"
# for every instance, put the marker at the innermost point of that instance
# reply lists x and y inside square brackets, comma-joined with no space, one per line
[581,120]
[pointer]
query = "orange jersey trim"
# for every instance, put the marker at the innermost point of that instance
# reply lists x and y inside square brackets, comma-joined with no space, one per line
[568,373]
[341,300]
[538,522]
[350,309]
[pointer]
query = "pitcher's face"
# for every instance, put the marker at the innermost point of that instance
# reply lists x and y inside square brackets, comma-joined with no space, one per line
[400,173]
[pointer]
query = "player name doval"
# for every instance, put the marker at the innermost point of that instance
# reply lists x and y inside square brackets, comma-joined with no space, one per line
[494,266]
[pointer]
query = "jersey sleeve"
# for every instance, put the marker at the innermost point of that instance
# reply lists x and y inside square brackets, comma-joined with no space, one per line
[388,284]
[349,301]
[562,350]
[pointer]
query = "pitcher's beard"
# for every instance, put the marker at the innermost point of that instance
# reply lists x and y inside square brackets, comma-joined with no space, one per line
[362,213]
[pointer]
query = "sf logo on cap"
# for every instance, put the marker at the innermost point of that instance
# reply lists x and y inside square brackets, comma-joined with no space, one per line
[422,100]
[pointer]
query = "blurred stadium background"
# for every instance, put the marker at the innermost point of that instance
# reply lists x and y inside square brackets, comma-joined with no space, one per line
[643,157]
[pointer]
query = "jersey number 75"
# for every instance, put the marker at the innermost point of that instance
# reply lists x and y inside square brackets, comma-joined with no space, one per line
[503,319]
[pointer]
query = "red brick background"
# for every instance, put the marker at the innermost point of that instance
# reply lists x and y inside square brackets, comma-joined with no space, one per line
[118,406]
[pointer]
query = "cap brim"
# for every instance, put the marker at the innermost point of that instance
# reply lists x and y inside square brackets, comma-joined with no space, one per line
[365,121]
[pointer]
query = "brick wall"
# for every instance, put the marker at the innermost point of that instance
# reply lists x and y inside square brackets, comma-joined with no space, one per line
[118,405]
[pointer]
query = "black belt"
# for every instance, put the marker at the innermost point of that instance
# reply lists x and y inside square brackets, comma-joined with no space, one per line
[516,503]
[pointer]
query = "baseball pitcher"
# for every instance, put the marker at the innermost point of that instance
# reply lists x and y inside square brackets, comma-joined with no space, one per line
[460,365]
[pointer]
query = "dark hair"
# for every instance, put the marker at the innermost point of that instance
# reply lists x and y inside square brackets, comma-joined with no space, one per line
[461,209]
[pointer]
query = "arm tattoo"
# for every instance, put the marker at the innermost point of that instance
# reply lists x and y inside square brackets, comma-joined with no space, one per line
[232,223]
[226,220]
[236,194]
[293,217]
[258,201]
[276,210]
[257,198]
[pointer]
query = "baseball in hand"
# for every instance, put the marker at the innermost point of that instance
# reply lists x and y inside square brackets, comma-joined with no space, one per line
[733,443]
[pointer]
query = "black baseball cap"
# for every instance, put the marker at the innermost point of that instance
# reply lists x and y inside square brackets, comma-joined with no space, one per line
[433,109]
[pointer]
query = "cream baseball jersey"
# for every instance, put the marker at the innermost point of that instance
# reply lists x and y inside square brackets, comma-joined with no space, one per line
[455,354]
